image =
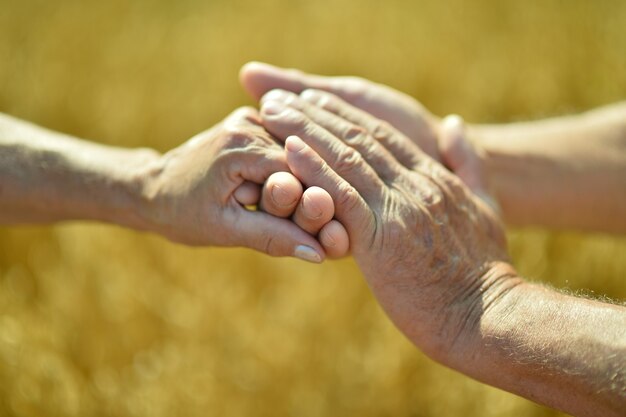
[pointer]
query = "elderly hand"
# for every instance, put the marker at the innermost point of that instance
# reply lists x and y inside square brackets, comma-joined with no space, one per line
[395,113]
[196,195]
[386,104]
[434,255]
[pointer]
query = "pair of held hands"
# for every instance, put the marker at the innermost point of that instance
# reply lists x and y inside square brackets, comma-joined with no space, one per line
[371,159]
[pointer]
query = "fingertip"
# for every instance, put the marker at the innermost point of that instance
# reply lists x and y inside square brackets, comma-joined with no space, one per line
[252,77]
[462,157]
[315,96]
[455,150]
[258,77]
[452,128]
[294,144]
[454,123]
[281,193]
[248,193]
[290,189]
[315,210]
[277,94]
[318,204]
[307,253]
[272,108]
[334,239]
[287,181]
[252,66]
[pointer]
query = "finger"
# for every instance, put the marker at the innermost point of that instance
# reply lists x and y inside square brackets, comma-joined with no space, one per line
[462,158]
[273,236]
[258,78]
[244,115]
[397,108]
[334,239]
[284,121]
[399,145]
[376,155]
[350,208]
[251,163]
[247,121]
[315,209]
[281,193]
[248,193]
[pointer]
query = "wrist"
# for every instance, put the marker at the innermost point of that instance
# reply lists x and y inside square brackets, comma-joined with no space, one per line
[140,172]
[476,311]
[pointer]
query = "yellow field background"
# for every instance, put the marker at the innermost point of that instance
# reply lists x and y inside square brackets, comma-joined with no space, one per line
[100,321]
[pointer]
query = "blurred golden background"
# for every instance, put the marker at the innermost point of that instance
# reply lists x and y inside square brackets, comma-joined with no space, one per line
[100,321]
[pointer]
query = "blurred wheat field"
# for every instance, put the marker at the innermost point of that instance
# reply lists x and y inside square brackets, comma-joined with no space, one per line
[100,321]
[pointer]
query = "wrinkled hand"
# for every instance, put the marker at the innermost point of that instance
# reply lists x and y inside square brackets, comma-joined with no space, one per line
[196,194]
[434,255]
[395,113]
[386,104]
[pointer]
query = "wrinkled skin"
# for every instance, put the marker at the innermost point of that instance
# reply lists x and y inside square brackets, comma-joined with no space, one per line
[386,104]
[433,253]
[195,194]
[441,139]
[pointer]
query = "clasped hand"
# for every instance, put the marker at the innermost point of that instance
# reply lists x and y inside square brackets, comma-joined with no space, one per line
[431,249]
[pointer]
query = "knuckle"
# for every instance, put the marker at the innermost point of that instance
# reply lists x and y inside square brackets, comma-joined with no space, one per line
[348,160]
[237,137]
[242,114]
[352,89]
[430,194]
[454,185]
[319,98]
[305,128]
[347,197]
[355,135]
[437,203]
[295,122]
[320,171]
[245,112]
[381,130]
[270,246]
[311,94]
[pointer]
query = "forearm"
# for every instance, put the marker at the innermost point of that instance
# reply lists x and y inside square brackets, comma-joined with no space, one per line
[565,172]
[562,351]
[46,177]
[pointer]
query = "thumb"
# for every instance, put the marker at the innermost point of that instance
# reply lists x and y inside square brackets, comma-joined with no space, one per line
[463,159]
[274,236]
[258,78]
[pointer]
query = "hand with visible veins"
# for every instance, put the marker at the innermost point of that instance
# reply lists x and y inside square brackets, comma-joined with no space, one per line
[390,107]
[461,155]
[395,113]
[537,171]
[435,257]
[383,199]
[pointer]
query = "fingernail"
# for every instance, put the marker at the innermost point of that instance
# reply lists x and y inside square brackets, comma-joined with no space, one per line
[307,253]
[276,95]
[312,210]
[311,96]
[294,144]
[281,197]
[454,124]
[273,108]
[328,239]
